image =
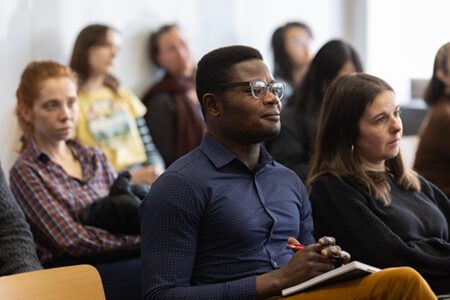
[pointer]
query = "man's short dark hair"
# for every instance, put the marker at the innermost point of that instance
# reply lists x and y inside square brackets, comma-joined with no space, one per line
[216,67]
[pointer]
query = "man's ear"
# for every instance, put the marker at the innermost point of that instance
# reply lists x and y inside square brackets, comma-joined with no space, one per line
[212,104]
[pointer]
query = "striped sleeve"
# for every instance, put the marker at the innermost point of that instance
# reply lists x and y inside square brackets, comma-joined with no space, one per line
[153,155]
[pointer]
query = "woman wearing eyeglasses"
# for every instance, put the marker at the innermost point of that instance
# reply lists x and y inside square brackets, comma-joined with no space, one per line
[291,45]
[294,146]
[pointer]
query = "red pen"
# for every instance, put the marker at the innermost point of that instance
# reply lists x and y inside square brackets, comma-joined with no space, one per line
[300,247]
[295,247]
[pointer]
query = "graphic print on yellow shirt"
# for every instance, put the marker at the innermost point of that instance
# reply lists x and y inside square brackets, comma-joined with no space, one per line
[108,121]
[108,124]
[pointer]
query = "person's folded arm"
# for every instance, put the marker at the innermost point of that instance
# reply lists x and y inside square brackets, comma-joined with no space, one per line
[54,221]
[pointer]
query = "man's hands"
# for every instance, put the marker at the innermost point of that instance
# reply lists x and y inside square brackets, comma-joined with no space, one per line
[312,261]
[305,264]
[330,250]
[335,252]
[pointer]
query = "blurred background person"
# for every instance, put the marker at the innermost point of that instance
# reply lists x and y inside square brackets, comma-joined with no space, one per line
[111,117]
[291,46]
[433,153]
[294,146]
[173,110]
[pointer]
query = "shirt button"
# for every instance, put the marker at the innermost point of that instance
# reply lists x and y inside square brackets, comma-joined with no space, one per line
[274,263]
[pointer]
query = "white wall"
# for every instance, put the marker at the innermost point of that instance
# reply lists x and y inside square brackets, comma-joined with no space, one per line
[15,52]
[403,37]
[46,29]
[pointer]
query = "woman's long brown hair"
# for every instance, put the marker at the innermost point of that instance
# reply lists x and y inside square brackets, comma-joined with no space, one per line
[335,151]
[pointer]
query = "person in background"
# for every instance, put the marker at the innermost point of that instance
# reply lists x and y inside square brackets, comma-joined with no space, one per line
[433,153]
[363,194]
[17,249]
[111,117]
[55,177]
[216,224]
[291,46]
[173,111]
[294,146]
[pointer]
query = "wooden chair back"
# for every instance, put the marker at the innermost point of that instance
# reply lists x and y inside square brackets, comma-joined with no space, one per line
[81,282]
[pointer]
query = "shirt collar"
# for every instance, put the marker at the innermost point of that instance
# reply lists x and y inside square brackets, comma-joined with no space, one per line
[220,156]
[33,152]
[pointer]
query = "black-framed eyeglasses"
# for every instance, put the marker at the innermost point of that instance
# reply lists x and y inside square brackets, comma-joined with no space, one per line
[258,88]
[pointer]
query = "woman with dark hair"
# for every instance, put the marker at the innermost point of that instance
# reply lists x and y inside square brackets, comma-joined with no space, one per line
[173,110]
[433,152]
[293,147]
[363,194]
[291,45]
[111,117]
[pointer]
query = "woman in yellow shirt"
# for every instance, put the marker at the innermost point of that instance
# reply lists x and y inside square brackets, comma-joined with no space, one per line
[110,116]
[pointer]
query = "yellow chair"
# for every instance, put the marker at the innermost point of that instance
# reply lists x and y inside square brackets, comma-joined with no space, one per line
[81,282]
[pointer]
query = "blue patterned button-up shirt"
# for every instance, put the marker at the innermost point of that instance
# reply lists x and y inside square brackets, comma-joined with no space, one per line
[210,225]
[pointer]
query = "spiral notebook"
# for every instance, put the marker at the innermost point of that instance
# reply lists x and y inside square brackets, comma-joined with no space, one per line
[349,271]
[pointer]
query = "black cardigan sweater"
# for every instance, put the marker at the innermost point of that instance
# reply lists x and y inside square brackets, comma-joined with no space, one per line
[373,234]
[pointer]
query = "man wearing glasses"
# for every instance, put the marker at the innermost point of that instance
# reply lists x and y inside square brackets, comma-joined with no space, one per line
[216,224]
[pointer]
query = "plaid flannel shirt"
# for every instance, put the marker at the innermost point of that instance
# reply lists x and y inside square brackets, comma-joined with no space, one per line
[51,200]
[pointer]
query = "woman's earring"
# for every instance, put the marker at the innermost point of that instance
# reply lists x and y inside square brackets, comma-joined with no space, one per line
[352,148]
